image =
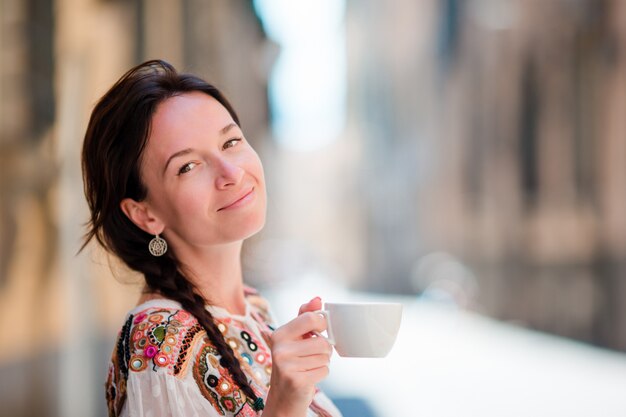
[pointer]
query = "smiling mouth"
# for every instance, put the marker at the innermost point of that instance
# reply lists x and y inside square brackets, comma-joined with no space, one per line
[239,201]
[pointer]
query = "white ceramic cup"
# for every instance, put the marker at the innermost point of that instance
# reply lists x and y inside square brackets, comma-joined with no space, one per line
[362,330]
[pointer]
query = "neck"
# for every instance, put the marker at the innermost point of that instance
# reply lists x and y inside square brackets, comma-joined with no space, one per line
[217,275]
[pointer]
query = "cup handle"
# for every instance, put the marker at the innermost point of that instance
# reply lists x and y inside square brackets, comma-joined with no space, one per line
[329,329]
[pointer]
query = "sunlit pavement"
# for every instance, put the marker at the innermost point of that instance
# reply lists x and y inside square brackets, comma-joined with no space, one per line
[448,362]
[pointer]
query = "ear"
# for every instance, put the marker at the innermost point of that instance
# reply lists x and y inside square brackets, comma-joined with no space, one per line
[139,213]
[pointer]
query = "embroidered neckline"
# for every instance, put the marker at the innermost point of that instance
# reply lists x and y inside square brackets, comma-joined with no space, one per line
[216,311]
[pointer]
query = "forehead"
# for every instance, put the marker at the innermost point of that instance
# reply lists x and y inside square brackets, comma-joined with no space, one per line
[187,114]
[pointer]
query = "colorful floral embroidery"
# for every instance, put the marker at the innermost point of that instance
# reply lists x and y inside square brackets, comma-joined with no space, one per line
[248,349]
[158,340]
[150,351]
[229,404]
[222,327]
[246,411]
[224,386]
[233,343]
[206,380]
[246,357]
[139,318]
[154,338]
[172,340]
[138,363]
[118,371]
[216,383]
[186,345]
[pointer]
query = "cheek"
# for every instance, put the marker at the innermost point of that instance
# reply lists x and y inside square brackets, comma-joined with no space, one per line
[192,197]
[183,203]
[255,167]
[259,174]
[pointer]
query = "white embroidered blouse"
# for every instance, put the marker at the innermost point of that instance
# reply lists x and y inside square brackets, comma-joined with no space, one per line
[165,365]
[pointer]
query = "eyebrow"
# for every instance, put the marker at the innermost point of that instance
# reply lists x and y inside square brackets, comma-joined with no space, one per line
[176,155]
[227,128]
[186,151]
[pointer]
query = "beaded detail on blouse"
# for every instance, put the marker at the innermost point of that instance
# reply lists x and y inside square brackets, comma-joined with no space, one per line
[165,354]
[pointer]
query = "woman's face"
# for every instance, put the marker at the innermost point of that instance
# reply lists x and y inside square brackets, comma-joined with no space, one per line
[205,182]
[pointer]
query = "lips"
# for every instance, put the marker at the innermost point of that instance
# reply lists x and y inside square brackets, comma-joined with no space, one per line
[243,199]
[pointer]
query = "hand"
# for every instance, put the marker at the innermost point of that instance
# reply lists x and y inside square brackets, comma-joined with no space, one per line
[299,361]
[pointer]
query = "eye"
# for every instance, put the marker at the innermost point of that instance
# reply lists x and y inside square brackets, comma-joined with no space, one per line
[230,143]
[186,168]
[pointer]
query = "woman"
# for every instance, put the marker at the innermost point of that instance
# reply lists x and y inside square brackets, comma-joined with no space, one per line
[174,188]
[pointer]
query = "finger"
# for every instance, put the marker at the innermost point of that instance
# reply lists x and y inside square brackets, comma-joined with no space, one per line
[306,347]
[314,362]
[303,364]
[313,305]
[299,327]
[317,374]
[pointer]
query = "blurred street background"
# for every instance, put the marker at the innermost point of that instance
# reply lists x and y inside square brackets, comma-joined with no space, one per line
[464,157]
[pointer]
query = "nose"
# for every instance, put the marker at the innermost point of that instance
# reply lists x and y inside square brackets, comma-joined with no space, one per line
[228,174]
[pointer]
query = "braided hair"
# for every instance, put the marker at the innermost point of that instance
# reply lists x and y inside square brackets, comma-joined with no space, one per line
[115,139]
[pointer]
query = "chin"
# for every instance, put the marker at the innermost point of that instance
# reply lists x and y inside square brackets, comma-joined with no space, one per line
[250,227]
[256,228]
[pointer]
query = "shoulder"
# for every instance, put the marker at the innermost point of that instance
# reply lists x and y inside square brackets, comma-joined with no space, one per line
[159,338]
[154,338]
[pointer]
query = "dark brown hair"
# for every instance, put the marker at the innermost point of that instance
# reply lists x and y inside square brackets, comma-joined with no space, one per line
[116,136]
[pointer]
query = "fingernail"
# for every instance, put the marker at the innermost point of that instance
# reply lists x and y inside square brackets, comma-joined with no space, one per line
[317,299]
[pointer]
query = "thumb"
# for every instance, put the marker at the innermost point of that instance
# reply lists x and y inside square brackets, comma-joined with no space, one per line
[313,305]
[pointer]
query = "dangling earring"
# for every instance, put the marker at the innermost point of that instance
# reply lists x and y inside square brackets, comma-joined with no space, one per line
[157,246]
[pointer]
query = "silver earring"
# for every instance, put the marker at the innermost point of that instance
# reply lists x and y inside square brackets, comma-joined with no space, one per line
[157,246]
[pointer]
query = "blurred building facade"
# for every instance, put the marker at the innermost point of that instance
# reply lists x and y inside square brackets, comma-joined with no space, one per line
[501,124]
